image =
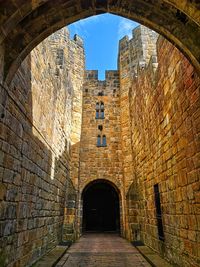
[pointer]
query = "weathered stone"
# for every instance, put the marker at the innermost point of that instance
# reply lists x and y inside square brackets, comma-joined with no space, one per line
[49,151]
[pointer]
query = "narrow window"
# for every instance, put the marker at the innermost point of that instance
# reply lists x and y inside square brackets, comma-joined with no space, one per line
[100,93]
[158,212]
[97,111]
[102,114]
[98,140]
[102,110]
[104,141]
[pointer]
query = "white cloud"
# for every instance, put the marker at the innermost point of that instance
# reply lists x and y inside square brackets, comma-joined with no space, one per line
[125,27]
[80,26]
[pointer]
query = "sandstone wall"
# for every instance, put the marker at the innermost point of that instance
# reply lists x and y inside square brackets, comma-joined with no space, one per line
[134,54]
[49,152]
[165,129]
[37,127]
[101,162]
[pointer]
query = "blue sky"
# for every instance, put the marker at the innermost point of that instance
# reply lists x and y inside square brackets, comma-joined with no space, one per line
[101,35]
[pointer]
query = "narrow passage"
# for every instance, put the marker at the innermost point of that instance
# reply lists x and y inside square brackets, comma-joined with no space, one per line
[102,250]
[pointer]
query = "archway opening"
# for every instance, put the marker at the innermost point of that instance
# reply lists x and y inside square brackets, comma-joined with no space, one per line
[101,208]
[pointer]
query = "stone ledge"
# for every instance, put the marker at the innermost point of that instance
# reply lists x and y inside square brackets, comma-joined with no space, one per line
[51,258]
[152,257]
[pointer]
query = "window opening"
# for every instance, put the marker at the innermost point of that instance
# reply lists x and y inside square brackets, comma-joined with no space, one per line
[104,141]
[100,93]
[100,110]
[100,127]
[98,140]
[101,141]
[158,212]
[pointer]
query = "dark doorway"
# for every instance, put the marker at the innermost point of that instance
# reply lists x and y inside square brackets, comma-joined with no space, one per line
[100,208]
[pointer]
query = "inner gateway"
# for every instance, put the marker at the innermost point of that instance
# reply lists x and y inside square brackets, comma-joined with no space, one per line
[101,208]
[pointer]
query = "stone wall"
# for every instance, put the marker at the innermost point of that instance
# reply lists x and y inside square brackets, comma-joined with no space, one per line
[101,162]
[165,130]
[97,162]
[134,54]
[49,151]
[38,114]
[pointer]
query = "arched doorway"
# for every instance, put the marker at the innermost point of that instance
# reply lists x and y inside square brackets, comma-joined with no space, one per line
[100,207]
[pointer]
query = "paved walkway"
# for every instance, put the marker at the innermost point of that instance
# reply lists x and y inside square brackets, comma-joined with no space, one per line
[102,250]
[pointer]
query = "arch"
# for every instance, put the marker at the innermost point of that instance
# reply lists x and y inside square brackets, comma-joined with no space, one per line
[101,207]
[24,24]
[101,180]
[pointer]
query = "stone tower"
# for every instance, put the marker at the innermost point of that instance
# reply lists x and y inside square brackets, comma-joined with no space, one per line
[133,140]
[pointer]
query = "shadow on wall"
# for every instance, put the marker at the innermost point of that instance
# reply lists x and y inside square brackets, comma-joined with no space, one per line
[165,125]
[133,198]
[34,179]
[73,213]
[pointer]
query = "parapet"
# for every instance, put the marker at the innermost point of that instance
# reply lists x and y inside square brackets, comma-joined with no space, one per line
[91,74]
[123,42]
[78,40]
[112,74]
[137,52]
[109,74]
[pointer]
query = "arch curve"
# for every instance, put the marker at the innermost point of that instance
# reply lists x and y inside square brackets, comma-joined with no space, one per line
[101,207]
[24,24]
[101,180]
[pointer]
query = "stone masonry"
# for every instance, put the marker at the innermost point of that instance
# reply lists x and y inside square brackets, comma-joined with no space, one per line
[101,162]
[165,127]
[61,129]
[134,54]
[37,129]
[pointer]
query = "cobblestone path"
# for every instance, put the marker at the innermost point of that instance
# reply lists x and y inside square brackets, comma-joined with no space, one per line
[102,250]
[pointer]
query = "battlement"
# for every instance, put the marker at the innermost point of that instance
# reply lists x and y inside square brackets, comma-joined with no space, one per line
[95,87]
[123,42]
[78,40]
[136,52]
[91,74]
[112,74]
[109,74]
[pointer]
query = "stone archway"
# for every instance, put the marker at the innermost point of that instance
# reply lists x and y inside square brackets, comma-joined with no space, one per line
[101,207]
[24,24]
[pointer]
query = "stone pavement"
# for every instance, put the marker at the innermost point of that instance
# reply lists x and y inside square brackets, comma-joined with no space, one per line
[102,250]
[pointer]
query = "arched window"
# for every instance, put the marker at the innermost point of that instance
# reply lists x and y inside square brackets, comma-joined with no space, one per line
[102,114]
[98,140]
[97,111]
[100,110]
[104,141]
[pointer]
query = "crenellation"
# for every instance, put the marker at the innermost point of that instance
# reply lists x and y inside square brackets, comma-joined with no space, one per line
[135,54]
[61,128]
[91,74]
[78,40]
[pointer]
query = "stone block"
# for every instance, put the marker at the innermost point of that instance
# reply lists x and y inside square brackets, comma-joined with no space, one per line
[8,175]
